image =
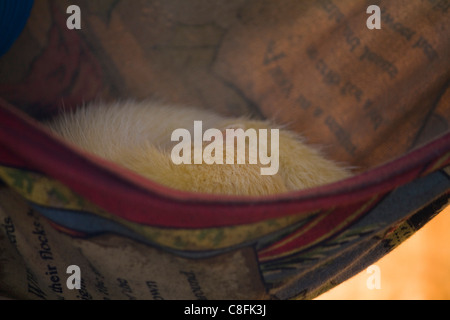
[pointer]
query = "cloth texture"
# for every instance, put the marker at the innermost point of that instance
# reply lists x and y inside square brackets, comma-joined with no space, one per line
[376,99]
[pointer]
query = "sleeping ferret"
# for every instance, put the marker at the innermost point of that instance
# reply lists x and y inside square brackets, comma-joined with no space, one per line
[197,150]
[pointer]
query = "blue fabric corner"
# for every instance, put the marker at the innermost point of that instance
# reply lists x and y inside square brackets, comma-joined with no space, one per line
[13,17]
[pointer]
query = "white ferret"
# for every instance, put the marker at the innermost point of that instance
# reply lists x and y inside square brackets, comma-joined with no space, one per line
[138,136]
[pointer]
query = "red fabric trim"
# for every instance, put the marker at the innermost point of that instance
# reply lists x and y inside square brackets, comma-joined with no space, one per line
[24,143]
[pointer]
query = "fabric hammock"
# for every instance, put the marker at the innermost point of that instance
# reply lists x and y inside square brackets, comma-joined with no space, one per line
[377,99]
